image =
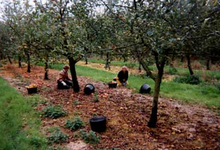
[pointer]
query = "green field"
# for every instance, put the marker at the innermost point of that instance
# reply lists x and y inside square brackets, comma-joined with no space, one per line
[19,123]
[205,94]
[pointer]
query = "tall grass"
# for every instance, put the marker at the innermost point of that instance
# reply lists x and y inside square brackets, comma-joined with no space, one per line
[202,94]
[19,123]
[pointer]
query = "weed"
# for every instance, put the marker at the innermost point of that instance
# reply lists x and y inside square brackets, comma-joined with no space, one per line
[94,114]
[89,137]
[74,124]
[96,98]
[57,136]
[76,102]
[189,79]
[54,112]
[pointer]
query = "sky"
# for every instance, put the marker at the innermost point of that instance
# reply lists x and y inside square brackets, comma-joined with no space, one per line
[32,3]
[1,6]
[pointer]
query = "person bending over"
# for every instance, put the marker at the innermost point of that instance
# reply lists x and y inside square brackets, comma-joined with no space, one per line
[123,76]
[64,82]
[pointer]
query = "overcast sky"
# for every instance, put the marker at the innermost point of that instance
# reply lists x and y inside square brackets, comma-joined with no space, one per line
[30,1]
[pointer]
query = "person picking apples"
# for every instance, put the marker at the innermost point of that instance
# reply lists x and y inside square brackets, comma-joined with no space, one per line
[122,76]
[63,81]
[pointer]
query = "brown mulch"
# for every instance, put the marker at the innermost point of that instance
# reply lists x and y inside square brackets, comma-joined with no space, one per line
[180,126]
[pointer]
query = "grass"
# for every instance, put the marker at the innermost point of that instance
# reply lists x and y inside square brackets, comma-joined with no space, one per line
[180,71]
[20,124]
[202,94]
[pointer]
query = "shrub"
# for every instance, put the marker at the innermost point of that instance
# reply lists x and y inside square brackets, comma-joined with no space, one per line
[57,136]
[54,112]
[189,79]
[89,137]
[172,71]
[74,124]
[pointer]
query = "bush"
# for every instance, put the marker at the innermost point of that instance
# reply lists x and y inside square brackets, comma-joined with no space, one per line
[89,137]
[57,136]
[189,79]
[172,71]
[74,124]
[54,112]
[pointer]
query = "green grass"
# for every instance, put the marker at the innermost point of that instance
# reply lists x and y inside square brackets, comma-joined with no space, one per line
[203,94]
[19,123]
[180,71]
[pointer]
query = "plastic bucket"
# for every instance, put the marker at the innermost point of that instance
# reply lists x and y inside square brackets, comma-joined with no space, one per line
[32,90]
[89,89]
[112,85]
[145,89]
[98,124]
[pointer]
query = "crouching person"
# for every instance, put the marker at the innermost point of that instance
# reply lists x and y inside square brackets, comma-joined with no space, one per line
[64,81]
[122,76]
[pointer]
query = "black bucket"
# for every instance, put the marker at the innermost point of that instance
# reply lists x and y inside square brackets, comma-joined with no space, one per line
[98,124]
[32,90]
[89,89]
[145,89]
[112,85]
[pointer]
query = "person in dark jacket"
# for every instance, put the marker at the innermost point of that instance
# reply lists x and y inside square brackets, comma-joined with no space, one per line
[63,81]
[123,76]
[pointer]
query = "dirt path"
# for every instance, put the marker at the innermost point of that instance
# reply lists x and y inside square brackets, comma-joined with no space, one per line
[180,127]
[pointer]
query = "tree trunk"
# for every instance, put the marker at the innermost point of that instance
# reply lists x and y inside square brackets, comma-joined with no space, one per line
[208,64]
[189,65]
[86,56]
[173,57]
[182,59]
[107,64]
[28,63]
[19,61]
[139,68]
[86,59]
[153,118]
[1,56]
[46,77]
[101,55]
[124,58]
[72,64]
[9,59]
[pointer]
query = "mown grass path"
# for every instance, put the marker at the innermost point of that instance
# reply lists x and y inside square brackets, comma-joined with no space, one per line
[19,122]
